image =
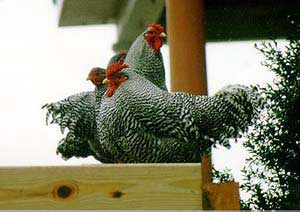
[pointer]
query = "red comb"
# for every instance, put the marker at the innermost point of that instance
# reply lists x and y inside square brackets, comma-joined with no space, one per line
[158,27]
[115,67]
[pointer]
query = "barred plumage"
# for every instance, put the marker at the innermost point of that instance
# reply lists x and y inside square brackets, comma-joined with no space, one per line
[143,123]
[77,114]
[146,62]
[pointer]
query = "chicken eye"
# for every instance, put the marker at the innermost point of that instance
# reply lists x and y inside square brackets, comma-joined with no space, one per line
[148,33]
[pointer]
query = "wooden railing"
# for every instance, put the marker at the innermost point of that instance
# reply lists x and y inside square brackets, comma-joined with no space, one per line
[115,186]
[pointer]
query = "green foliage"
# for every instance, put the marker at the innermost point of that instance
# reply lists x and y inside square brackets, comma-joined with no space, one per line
[272,173]
[221,176]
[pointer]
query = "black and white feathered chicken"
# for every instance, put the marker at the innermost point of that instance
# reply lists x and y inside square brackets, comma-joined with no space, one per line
[144,55]
[145,58]
[140,122]
[77,114]
[135,119]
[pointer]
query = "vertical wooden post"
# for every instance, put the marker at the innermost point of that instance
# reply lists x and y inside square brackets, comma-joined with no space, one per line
[185,20]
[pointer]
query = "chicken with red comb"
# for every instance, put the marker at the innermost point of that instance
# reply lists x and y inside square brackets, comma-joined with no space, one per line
[141,123]
[114,78]
[154,35]
[145,57]
[138,120]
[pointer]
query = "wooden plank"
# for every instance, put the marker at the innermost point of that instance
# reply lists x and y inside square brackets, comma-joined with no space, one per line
[221,196]
[118,186]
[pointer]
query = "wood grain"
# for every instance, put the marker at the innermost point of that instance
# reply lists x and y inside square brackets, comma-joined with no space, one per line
[221,196]
[118,186]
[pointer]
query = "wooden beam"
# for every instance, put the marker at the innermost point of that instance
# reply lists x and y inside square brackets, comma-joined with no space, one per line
[102,187]
[186,39]
[134,18]
[83,12]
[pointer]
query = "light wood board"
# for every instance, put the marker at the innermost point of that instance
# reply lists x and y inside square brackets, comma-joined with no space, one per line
[102,187]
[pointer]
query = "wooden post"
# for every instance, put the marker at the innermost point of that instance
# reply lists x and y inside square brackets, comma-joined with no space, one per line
[187,59]
[187,45]
[187,53]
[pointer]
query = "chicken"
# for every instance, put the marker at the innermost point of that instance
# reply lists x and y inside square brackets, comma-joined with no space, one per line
[144,55]
[77,113]
[135,118]
[145,58]
[140,122]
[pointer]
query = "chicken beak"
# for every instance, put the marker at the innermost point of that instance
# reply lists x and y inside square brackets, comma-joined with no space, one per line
[162,35]
[105,81]
[88,78]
